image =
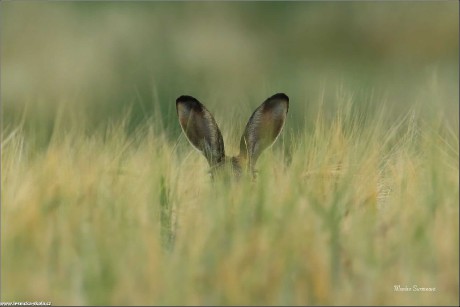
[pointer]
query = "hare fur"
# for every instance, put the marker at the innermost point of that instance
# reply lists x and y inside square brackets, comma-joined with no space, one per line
[262,130]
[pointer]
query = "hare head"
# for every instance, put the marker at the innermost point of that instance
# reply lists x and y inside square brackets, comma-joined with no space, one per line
[261,131]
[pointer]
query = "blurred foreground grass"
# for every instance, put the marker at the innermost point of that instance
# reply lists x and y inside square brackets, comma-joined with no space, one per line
[337,216]
[105,202]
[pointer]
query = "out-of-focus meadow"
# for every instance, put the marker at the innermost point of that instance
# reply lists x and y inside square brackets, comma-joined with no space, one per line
[105,202]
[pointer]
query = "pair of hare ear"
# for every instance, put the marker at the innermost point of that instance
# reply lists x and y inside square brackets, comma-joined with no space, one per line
[261,131]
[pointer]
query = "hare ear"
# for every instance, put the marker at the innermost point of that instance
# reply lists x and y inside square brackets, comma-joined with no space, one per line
[200,128]
[263,127]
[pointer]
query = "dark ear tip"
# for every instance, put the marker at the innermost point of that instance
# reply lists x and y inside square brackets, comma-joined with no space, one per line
[190,102]
[281,96]
[185,98]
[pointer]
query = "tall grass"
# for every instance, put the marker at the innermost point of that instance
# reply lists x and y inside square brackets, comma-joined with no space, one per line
[339,214]
[103,201]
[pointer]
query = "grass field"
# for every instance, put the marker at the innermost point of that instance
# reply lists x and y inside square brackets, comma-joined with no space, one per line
[109,204]
[337,216]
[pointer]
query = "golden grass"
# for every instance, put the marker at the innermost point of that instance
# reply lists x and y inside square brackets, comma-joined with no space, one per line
[340,216]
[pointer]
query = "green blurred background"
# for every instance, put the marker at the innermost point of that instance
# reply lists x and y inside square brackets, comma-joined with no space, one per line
[87,64]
